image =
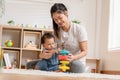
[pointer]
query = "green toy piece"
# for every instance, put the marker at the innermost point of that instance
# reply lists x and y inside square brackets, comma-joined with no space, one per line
[11,22]
[9,43]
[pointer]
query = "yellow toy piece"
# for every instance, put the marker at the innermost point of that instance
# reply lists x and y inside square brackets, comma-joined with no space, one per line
[64,66]
[64,62]
[1,54]
[1,57]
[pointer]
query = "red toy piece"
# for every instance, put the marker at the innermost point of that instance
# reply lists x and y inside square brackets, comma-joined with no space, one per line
[62,57]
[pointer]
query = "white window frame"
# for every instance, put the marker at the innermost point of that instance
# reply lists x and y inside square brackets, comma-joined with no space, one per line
[114,4]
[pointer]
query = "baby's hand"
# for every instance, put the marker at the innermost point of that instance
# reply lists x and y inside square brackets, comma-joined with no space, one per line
[45,54]
[57,51]
[53,51]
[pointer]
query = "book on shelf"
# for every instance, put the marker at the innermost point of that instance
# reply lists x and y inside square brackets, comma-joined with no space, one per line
[7,60]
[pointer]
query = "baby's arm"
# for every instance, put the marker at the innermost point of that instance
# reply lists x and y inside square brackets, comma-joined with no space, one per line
[45,55]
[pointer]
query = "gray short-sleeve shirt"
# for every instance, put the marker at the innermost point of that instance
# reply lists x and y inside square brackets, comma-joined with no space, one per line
[73,37]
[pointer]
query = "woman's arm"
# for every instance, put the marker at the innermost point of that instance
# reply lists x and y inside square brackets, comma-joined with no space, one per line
[83,47]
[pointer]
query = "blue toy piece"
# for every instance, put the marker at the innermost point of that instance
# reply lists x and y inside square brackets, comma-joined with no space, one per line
[64,52]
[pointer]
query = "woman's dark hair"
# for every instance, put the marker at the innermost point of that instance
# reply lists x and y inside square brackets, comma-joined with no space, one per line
[59,8]
[46,36]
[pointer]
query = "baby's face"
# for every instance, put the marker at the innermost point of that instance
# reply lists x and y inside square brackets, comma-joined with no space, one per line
[49,44]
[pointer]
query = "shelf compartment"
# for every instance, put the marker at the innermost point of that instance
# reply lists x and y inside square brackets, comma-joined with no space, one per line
[29,56]
[13,34]
[14,55]
[32,40]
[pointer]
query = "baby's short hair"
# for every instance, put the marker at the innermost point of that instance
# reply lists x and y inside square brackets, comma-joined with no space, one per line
[46,36]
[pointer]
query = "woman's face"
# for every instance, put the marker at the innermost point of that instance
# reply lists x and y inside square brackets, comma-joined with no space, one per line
[60,19]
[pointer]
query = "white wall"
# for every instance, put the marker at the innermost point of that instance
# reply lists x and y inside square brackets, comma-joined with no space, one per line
[24,12]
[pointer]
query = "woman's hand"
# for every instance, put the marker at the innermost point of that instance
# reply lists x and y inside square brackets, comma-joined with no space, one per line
[70,57]
[83,47]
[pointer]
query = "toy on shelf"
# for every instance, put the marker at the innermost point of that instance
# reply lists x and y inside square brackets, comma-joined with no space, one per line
[14,64]
[9,43]
[31,45]
[63,60]
[11,22]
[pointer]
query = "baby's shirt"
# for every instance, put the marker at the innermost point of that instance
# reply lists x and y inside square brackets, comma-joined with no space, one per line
[52,62]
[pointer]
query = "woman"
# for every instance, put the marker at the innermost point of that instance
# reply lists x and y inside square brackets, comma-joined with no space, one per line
[73,36]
